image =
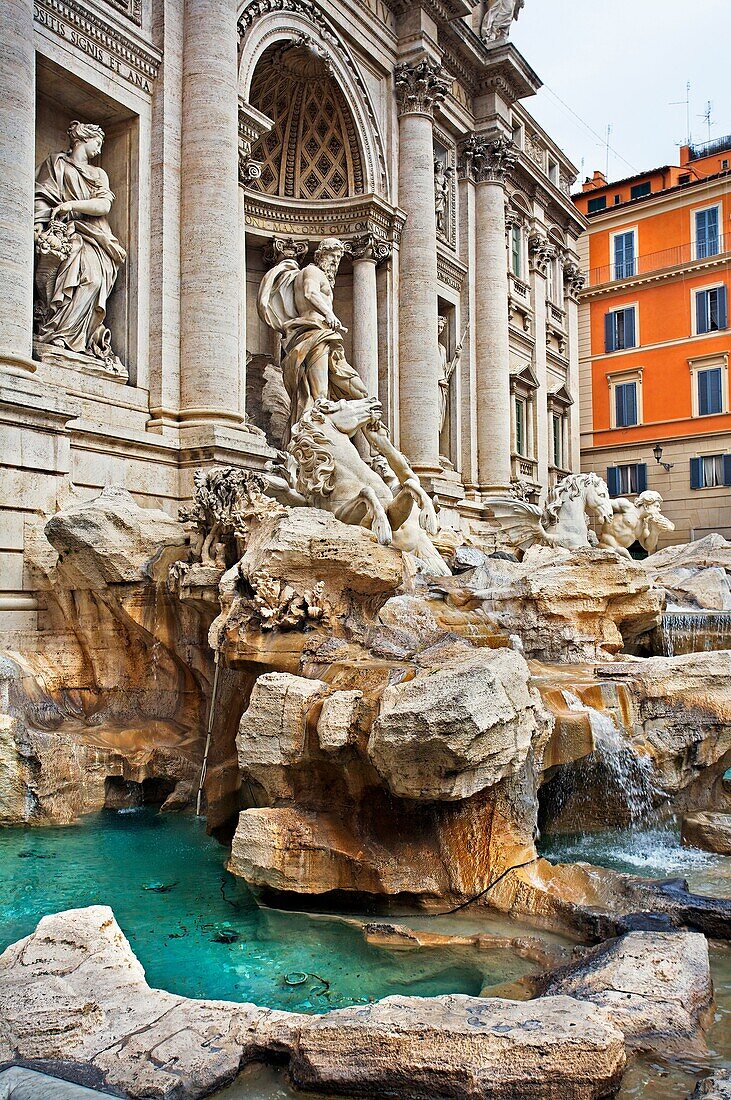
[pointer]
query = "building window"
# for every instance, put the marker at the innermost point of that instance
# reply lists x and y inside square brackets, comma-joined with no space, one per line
[640,189]
[710,310]
[625,404]
[710,471]
[684,177]
[620,329]
[597,204]
[627,480]
[516,251]
[520,426]
[724,165]
[710,393]
[617,200]
[623,252]
[707,236]
[557,423]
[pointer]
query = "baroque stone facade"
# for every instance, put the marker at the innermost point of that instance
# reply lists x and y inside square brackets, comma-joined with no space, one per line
[161,156]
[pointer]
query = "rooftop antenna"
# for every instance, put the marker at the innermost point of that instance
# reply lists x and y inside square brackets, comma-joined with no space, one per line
[685,103]
[707,117]
[609,134]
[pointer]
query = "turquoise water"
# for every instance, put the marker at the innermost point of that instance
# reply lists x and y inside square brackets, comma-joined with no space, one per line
[198,931]
[651,853]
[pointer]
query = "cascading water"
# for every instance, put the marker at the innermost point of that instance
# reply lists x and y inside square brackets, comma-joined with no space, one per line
[610,787]
[686,631]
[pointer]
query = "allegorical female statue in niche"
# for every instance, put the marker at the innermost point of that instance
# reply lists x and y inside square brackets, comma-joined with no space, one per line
[77,255]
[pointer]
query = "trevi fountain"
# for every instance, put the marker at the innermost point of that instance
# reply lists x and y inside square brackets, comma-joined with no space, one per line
[343,751]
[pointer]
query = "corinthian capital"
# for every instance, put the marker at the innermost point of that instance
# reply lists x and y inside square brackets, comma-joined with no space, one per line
[369,247]
[485,158]
[573,279]
[420,87]
[541,252]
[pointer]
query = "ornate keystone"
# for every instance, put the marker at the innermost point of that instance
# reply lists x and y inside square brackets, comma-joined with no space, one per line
[420,87]
[283,248]
[369,247]
[486,159]
[541,252]
[574,280]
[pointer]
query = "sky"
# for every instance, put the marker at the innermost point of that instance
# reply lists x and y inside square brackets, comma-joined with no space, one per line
[626,64]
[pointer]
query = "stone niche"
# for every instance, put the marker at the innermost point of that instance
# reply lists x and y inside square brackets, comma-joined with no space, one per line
[62,97]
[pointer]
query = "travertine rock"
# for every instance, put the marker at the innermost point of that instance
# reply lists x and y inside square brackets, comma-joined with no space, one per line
[695,574]
[563,605]
[74,998]
[655,987]
[682,720]
[461,1047]
[25,1084]
[111,540]
[336,726]
[453,731]
[709,831]
[717,1087]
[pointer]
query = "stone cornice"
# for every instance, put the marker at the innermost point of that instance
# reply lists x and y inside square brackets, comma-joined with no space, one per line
[486,158]
[450,271]
[420,86]
[557,204]
[347,219]
[102,41]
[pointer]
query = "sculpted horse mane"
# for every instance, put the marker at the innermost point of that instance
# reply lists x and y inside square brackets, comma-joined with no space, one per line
[313,453]
[570,488]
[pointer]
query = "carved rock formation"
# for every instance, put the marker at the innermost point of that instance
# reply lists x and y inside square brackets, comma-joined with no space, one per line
[695,575]
[563,605]
[74,999]
[709,831]
[655,987]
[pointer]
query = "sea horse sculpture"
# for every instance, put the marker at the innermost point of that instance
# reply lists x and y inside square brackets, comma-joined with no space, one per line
[563,522]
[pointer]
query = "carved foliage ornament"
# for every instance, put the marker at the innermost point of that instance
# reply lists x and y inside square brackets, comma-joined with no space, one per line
[541,252]
[420,87]
[574,279]
[369,247]
[486,159]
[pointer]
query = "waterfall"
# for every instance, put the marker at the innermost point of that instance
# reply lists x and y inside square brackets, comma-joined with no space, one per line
[695,631]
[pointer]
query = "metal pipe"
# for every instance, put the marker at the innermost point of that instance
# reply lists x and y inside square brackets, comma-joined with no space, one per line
[211,712]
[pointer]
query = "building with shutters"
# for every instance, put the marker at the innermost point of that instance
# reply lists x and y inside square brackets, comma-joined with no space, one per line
[654,336]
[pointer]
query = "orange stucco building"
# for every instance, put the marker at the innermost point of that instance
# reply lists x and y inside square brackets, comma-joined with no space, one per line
[655,338]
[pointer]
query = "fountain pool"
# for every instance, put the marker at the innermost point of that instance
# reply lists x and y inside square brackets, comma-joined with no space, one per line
[199,932]
[652,852]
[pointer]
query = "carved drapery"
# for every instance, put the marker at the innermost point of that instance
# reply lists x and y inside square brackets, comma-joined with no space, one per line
[486,158]
[420,87]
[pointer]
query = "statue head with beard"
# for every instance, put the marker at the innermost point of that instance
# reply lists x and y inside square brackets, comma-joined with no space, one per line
[328,255]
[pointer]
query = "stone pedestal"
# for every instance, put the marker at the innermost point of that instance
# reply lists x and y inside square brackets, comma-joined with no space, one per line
[485,160]
[17,94]
[367,252]
[210,238]
[418,88]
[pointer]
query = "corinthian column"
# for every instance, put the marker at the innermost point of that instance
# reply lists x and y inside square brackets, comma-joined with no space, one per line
[418,88]
[210,239]
[367,253]
[17,94]
[485,160]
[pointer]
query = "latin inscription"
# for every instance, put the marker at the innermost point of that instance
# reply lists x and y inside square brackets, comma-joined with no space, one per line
[87,46]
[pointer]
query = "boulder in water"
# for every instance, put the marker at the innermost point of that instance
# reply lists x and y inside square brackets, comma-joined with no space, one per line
[709,831]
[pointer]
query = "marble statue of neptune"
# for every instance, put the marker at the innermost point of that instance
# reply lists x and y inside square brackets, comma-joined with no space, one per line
[77,255]
[497,19]
[298,304]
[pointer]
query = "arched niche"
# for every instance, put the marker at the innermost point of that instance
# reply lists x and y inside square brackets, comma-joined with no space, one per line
[264,24]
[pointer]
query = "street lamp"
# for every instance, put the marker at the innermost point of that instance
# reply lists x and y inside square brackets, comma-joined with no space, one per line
[657,452]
